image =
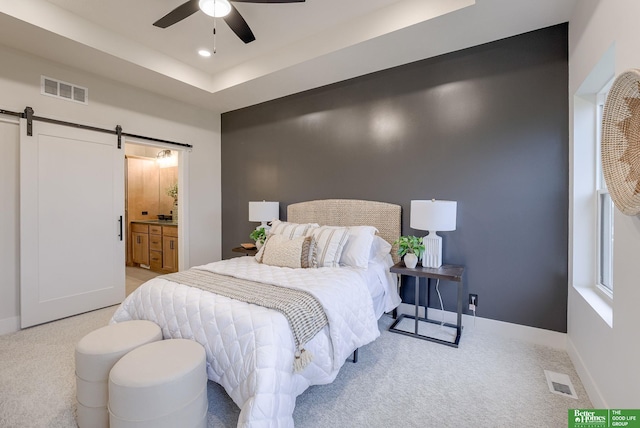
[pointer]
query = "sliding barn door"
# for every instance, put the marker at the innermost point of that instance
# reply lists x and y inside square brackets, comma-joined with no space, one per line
[72,251]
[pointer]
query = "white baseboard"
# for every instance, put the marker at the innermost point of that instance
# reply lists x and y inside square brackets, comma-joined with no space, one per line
[535,335]
[589,384]
[9,325]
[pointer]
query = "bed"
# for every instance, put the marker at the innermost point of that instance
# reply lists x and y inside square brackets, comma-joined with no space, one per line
[254,351]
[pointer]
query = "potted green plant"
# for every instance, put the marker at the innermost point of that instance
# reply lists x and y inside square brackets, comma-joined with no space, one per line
[259,235]
[172,191]
[411,248]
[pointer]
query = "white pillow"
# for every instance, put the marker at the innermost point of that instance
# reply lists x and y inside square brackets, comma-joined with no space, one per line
[329,243]
[379,249]
[356,251]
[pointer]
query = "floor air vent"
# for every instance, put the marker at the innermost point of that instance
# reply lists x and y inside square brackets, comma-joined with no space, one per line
[560,384]
[66,91]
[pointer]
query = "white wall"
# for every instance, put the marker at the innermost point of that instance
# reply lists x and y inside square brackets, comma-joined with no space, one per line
[110,104]
[9,226]
[605,356]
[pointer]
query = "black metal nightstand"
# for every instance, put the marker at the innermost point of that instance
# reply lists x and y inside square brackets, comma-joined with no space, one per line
[445,272]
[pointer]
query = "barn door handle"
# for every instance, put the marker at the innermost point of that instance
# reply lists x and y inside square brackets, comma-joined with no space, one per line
[120,221]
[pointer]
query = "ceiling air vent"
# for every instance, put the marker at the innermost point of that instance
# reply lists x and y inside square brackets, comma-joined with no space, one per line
[66,91]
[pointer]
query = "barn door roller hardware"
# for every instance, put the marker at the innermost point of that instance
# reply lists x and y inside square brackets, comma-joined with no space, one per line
[29,115]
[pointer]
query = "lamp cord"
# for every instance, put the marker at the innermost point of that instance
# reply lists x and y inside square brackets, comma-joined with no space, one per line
[440,298]
[474,315]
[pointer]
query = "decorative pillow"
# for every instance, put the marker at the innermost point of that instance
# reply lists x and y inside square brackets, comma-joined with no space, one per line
[356,251]
[379,249]
[291,230]
[284,252]
[329,243]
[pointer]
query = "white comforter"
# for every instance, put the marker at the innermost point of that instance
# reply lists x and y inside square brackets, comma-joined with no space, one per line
[250,349]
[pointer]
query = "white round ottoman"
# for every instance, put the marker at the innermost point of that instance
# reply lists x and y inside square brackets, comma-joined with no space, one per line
[160,385]
[96,353]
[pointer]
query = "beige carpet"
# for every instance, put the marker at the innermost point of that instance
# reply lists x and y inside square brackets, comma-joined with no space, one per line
[399,381]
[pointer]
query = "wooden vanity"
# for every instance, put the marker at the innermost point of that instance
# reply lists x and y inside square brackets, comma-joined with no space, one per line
[155,244]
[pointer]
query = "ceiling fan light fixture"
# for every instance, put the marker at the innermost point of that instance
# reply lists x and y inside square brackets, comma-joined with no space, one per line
[215,8]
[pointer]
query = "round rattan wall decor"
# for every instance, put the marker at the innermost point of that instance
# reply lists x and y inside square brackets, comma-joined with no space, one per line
[620,147]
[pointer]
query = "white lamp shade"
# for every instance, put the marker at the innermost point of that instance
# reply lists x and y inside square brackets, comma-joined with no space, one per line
[433,215]
[264,211]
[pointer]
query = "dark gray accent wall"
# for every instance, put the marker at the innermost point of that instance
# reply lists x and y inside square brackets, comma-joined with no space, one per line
[486,126]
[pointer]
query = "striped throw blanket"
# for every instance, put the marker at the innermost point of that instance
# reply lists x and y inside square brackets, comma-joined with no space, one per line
[304,313]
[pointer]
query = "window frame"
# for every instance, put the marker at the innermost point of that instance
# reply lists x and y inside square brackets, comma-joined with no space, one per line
[603,249]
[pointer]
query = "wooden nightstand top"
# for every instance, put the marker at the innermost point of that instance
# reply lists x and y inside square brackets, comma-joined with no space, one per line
[444,272]
[248,252]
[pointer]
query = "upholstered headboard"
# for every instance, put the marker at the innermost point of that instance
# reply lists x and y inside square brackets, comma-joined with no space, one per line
[351,212]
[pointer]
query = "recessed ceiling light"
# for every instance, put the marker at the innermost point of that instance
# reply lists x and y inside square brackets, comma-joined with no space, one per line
[205,53]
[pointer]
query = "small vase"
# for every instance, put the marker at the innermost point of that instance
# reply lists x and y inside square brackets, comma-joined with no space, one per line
[258,245]
[410,260]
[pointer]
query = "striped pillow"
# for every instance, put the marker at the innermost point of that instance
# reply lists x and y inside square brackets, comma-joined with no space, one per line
[329,243]
[291,230]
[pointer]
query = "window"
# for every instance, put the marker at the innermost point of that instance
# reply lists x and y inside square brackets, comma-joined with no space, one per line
[590,221]
[604,233]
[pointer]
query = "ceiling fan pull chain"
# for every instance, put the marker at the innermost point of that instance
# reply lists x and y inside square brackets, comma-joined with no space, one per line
[214,35]
[214,26]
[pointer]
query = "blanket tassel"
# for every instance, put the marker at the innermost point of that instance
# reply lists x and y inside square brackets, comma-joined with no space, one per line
[301,360]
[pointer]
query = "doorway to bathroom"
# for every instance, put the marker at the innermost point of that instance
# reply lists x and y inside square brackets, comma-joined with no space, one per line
[152,197]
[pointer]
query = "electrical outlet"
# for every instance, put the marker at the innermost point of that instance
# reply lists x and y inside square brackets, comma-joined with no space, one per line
[473,302]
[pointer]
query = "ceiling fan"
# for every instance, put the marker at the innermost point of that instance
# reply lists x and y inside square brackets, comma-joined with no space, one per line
[217,8]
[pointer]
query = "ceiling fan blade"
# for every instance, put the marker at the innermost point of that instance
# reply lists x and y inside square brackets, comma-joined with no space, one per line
[181,12]
[239,26]
[268,1]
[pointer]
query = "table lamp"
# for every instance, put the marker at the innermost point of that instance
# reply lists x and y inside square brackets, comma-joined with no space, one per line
[434,216]
[264,212]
